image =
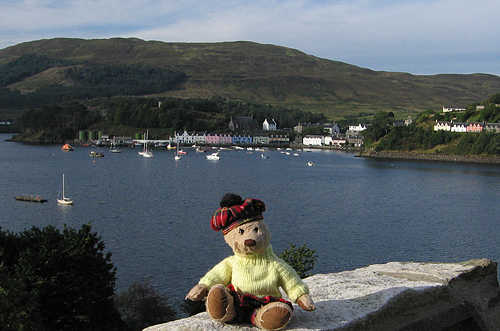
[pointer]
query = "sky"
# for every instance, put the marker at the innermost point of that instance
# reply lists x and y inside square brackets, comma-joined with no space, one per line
[419,37]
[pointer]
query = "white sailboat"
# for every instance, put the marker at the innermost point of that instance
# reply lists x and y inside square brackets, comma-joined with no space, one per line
[64,200]
[177,155]
[145,152]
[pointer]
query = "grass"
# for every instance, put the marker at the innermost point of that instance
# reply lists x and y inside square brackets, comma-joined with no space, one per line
[269,74]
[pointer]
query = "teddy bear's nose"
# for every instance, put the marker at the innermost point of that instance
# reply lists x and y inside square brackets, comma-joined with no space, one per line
[250,242]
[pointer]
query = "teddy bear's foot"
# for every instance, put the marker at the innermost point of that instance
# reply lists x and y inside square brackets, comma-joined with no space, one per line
[273,316]
[220,304]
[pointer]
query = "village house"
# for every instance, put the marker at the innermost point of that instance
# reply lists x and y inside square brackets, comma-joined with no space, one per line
[338,142]
[356,129]
[332,128]
[458,127]
[327,140]
[475,127]
[440,125]
[449,109]
[200,138]
[212,139]
[269,125]
[278,139]
[261,140]
[312,140]
[492,127]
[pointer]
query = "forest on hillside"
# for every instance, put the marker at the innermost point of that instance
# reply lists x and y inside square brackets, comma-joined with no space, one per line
[60,122]
[82,81]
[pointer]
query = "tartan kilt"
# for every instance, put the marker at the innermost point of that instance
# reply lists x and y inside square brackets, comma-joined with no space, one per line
[246,304]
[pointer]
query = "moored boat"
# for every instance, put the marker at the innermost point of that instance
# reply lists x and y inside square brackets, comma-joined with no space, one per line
[67,148]
[30,198]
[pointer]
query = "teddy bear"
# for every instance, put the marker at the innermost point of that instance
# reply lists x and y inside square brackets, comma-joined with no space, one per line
[245,287]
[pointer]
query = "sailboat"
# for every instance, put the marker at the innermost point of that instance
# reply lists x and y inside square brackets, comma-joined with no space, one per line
[114,148]
[64,200]
[145,152]
[177,155]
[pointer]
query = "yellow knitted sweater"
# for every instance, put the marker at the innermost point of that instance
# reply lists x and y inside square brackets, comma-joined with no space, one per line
[260,275]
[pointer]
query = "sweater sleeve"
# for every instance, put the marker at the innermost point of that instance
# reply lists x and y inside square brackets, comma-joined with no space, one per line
[291,282]
[220,274]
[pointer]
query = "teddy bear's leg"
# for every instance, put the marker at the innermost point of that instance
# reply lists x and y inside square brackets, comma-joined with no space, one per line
[220,304]
[273,316]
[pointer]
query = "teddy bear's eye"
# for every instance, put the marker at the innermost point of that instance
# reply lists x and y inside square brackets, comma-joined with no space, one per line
[242,231]
[256,229]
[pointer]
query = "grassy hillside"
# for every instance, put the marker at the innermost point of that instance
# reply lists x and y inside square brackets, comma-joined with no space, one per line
[258,73]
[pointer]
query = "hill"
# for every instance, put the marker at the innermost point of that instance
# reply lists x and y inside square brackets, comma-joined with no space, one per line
[245,71]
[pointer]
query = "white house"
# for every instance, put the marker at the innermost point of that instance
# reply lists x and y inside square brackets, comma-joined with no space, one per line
[357,128]
[458,127]
[445,126]
[327,140]
[449,109]
[312,140]
[269,125]
[338,142]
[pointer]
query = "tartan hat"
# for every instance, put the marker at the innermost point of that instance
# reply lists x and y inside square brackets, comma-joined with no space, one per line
[227,218]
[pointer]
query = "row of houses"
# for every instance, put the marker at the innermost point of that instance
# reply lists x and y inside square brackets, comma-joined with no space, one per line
[473,127]
[191,138]
[329,141]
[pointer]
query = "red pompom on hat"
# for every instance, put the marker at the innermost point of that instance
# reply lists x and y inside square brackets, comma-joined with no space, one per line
[227,218]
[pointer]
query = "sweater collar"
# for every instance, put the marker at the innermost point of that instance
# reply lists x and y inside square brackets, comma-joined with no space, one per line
[256,257]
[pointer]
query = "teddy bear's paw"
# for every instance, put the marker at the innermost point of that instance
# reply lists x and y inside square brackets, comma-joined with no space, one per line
[273,316]
[220,304]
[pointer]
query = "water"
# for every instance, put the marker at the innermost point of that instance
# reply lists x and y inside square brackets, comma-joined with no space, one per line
[153,214]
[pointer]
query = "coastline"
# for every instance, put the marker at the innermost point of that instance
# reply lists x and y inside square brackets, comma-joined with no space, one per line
[492,159]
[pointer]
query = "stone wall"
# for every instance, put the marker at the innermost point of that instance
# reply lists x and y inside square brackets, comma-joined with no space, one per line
[399,296]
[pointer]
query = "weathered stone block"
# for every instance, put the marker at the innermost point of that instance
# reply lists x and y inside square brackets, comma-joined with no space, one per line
[399,296]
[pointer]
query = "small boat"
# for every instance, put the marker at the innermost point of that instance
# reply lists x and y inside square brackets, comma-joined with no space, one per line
[200,150]
[262,156]
[178,153]
[145,152]
[213,156]
[64,200]
[170,146]
[181,152]
[67,148]
[95,154]
[30,198]
[114,148]
[296,154]
[310,163]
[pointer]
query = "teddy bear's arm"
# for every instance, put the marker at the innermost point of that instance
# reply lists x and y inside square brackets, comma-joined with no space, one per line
[197,293]
[291,282]
[220,274]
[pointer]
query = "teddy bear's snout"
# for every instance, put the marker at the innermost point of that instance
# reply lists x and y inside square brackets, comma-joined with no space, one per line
[250,242]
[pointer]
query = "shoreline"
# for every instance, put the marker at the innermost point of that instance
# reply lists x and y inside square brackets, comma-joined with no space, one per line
[492,159]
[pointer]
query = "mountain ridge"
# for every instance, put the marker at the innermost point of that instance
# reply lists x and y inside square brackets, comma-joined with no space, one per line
[262,73]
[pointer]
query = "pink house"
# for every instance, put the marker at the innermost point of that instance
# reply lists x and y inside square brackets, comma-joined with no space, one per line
[475,127]
[212,139]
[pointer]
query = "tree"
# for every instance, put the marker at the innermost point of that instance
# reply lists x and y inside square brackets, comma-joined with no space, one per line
[302,259]
[53,280]
[141,306]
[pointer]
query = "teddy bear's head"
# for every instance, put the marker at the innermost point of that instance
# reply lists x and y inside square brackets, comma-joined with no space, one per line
[242,224]
[249,238]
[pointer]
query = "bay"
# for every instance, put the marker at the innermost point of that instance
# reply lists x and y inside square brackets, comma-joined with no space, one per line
[153,214]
